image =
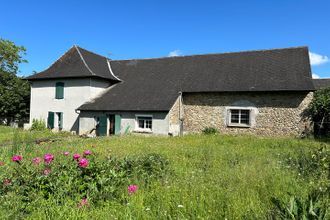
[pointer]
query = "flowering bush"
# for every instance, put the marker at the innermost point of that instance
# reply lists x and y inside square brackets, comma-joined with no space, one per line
[48,158]
[132,189]
[87,152]
[36,160]
[76,156]
[17,158]
[93,179]
[83,163]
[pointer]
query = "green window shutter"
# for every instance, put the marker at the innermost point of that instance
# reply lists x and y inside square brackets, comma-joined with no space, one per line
[50,120]
[117,124]
[102,127]
[59,92]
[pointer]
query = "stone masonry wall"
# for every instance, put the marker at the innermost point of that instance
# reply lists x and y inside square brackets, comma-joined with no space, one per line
[276,114]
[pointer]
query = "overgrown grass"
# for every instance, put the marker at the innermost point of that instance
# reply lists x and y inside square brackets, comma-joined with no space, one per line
[214,176]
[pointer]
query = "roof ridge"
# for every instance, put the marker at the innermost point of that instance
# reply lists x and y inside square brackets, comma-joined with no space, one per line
[82,58]
[208,54]
[94,53]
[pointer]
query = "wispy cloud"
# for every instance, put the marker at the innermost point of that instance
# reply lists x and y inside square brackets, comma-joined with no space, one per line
[315,76]
[317,59]
[175,53]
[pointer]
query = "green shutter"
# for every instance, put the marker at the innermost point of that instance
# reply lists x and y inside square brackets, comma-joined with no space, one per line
[102,127]
[59,92]
[117,124]
[50,120]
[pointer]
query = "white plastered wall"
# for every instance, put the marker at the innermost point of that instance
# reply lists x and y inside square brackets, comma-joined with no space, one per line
[160,121]
[76,93]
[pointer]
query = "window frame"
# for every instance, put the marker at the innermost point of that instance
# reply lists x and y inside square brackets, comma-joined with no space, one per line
[58,86]
[144,129]
[239,124]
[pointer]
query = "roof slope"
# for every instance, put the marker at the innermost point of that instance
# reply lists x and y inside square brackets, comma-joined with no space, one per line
[154,84]
[76,63]
[321,83]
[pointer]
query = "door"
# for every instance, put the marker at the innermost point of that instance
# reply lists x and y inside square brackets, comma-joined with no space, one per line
[112,124]
[101,128]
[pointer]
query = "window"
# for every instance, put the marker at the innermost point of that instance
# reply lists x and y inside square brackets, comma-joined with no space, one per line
[59,90]
[144,123]
[239,117]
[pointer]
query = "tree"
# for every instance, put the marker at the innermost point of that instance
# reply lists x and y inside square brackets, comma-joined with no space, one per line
[14,91]
[319,111]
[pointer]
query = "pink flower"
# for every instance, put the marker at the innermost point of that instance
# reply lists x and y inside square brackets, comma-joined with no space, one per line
[66,153]
[36,160]
[87,152]
[47,171]
[83,202]
[17,158]
[132,189]
[6,182]
[76,156]
[83,163]
[48,158]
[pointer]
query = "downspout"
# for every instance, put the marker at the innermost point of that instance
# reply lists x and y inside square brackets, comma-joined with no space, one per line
[181,118]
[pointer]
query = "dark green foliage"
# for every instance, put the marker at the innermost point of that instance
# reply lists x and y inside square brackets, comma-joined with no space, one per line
[319,112]
[210,130]
[14,91]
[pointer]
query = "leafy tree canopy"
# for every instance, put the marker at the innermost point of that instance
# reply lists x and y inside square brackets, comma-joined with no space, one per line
[319,111]
[10,56]
[14,91]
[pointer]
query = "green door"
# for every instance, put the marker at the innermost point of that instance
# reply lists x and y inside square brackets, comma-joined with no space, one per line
[102,126]
[50,120]
[117,124]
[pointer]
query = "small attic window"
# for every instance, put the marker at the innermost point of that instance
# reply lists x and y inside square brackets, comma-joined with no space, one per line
[59,90]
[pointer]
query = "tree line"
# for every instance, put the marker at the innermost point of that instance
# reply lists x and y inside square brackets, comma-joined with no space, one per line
[14,90]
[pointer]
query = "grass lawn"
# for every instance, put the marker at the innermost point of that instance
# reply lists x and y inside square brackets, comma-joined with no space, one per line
[212,176]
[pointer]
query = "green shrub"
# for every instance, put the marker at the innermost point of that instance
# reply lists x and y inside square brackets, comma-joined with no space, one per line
[38,125]
[67,179]
[210,130]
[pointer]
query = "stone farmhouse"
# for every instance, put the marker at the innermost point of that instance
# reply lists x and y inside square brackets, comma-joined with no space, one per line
[260,92]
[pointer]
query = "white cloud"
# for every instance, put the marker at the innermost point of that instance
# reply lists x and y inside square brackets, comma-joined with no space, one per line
[175,53]
[317,59]
[315,76]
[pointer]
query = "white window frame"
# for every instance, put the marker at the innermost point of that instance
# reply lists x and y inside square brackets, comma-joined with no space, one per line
[145,130]
[239,124]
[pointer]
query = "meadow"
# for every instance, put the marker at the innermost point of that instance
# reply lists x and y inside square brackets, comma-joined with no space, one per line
[191,177]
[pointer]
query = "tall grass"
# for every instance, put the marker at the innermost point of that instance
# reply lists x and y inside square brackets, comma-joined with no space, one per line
[214,176]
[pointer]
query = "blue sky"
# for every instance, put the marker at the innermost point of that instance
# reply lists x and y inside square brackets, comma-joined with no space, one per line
[144,29]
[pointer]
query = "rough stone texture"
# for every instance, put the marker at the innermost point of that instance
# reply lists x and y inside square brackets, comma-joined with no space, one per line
[278,113]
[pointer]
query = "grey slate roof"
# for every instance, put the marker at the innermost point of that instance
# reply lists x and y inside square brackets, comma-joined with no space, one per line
[321,83]
[154,84]
[76,63]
